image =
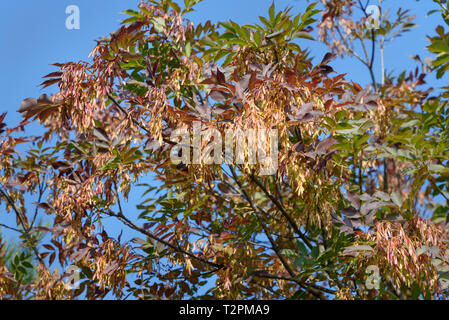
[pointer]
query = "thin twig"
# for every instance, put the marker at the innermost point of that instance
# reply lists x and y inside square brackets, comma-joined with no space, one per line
[133,226]
[283,211]
[11,228]
[317,293]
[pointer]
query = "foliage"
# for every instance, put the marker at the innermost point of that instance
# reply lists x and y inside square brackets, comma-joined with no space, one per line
[361,177]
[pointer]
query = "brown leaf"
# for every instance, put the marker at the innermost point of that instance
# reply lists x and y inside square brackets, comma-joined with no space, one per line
[53,74]
[325,144]
[221,78]
[252,81]
[224,188]
[354,199]
[27,104]
[112,267]
[44,255]
[59,164]
[78,255]
[52,258]
[44,206]
[208,81]
[299,147]
[218,95]
[48,247]
[357,86]
[44,99]
[49,82]
[327,58]
[101,134]
[324,69]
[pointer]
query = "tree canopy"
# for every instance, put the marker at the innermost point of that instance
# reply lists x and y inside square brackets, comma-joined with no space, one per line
[354,206]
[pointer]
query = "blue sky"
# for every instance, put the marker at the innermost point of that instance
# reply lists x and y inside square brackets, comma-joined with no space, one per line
[33,35]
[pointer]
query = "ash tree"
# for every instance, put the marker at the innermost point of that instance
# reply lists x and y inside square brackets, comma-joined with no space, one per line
[355,208]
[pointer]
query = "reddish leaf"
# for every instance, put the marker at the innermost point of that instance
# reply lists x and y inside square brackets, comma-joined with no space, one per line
[27,104]
[221,78]
[53,74]
[52,258]
[48,247]
[218,95]
[49,82]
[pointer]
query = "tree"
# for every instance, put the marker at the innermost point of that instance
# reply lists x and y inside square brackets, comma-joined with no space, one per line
[352,209]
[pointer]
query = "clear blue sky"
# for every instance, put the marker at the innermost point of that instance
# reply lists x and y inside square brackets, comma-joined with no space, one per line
[33,36]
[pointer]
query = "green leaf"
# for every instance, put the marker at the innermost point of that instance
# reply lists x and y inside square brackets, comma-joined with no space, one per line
[265,22]
[188,49]
[304,35]
[229,26]
[439,46]
[437,168]
[159,24]
[315,252]
[289,253]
